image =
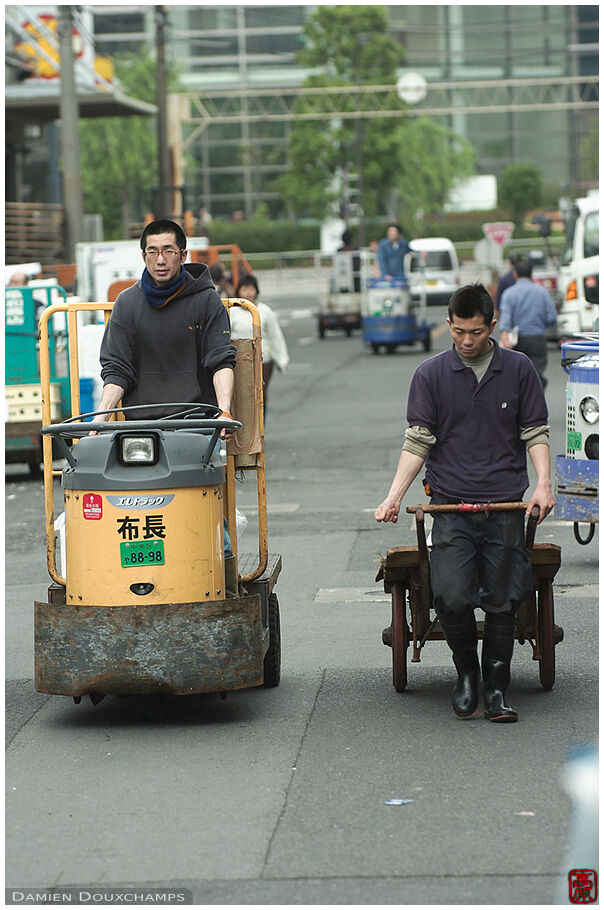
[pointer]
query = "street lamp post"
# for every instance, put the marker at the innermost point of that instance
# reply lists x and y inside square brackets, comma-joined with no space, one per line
[70,138]
[358,131]
[165,181]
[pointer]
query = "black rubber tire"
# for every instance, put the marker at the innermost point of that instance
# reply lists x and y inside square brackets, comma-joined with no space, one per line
[272,658]
[584,540]
[375,348]
[390,348]
[427,342]
[321,330]
[545,631]
[400,638]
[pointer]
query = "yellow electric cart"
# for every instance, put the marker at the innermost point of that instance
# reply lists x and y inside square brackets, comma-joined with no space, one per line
[145,599]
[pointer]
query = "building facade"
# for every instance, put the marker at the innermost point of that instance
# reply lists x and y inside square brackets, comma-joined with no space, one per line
[232,164]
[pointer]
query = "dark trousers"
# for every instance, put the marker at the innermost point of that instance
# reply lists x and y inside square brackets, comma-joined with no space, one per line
[535,348]
[479,560]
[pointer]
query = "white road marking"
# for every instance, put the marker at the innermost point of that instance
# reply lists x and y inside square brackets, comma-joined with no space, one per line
[350,595]
[276,508]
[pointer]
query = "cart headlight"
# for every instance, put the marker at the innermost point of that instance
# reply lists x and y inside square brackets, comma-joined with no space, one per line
[590,410]
[138,449]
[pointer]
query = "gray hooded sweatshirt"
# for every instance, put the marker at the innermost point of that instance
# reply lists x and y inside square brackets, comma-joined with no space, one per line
[169,353]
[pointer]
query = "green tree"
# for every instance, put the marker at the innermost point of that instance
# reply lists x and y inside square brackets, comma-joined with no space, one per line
[119,154]
[431,157]
[409,165]
[520,189]
[351,47]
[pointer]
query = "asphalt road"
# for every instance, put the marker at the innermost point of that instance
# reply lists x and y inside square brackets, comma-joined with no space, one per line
[279,796]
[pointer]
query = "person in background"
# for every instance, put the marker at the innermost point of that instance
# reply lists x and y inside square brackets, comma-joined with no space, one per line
[228,284]
[274,348]
[506,280]
[391,253]
[18,280]
[349,246]
[218,277]
[527,306]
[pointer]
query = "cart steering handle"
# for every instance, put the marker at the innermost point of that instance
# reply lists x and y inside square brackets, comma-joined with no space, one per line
[77,430]
[76,427]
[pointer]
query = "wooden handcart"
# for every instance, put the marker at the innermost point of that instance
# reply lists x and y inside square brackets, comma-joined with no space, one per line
[405,572]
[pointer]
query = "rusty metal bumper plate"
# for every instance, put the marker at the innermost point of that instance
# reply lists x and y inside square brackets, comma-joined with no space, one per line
[179,649]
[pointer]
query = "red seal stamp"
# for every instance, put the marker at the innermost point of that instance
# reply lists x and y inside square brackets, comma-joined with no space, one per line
[583,886]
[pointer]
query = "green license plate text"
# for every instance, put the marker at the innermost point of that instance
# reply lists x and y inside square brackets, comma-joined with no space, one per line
[142,553]
[573,441]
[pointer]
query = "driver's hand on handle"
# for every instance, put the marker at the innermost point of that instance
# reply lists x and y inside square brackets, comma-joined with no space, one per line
[226,433]
[111,397]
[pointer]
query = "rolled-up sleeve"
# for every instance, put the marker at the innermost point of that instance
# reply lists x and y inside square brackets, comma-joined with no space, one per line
[217,351]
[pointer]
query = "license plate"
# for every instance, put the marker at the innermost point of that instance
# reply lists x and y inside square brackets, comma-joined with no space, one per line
[142,553]
[431,284]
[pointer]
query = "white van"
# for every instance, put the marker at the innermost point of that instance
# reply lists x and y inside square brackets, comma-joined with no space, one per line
[579,273]
[441,269]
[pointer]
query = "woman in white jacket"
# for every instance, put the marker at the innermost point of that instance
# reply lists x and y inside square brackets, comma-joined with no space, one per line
[274,348]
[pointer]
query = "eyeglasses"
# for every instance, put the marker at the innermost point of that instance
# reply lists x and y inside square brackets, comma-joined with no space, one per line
[153,253]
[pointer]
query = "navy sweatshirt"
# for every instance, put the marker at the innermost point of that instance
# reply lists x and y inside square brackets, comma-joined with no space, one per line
[167,354]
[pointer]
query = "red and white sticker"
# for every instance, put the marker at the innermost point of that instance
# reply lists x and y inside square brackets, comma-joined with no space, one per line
[93,506]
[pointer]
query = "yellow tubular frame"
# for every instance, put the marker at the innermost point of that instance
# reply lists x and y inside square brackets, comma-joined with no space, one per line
[72,310]
[259,467]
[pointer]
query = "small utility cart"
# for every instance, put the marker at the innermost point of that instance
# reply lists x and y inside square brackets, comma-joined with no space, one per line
[405,572]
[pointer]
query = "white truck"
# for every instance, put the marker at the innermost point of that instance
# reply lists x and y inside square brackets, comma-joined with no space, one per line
[579,273]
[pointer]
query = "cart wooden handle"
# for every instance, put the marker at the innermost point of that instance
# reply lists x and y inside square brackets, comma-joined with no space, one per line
[470,507]
[473,507]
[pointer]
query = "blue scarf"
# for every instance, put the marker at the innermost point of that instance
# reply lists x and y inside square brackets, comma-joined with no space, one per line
[159,296]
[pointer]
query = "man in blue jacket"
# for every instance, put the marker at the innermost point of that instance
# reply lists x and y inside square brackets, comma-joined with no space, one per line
[391,253]
[473,411]
[528,307]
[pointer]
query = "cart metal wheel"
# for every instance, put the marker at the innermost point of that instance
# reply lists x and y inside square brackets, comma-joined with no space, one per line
[545,631]
[400,638]
[272,658]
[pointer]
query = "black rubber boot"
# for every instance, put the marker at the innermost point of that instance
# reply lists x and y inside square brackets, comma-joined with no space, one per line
[497,648]
[460,633]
